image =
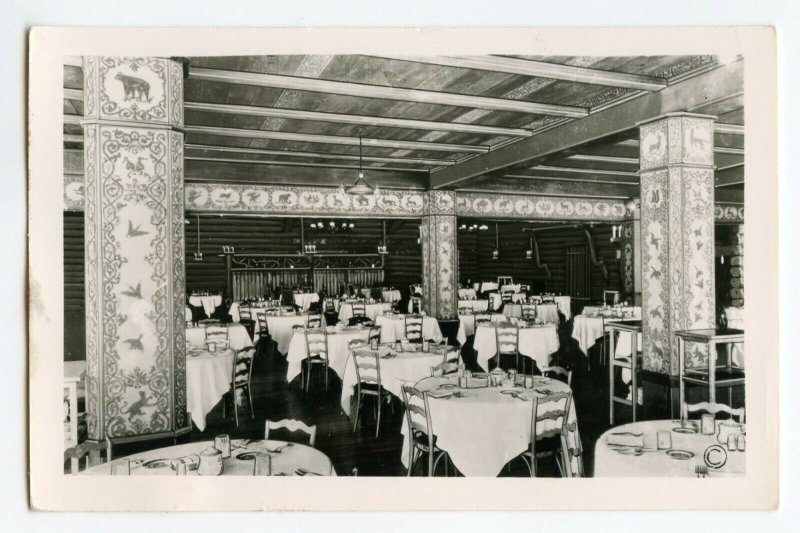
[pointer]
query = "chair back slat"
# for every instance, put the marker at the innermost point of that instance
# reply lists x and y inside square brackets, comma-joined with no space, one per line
[314,321]
[413,323]
[359,309]
[714,408]
[559,373]
[293,426]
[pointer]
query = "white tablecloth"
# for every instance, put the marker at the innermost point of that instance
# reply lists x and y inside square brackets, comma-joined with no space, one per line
[303,300]
[393,328]
[338,352]
[208,378]
[286,462]
[515,287]
[477,306]
[489,286]
[613,312]
[209,303]
[407,367]
[536,342]
[610,463]
[486,429]
[466,293]
[280,328]
[735,316]
[548,313]
[497,299]
[391,295]
[234,312]
[586,330]
[466,325]
[564,304]
[372,310]
[238,338]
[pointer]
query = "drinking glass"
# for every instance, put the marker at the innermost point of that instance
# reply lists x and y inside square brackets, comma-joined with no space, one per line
[740,441]
[707,424]
[664,440]
[262,466]
[180,470]
[121,467]
[732,442]
[223,444]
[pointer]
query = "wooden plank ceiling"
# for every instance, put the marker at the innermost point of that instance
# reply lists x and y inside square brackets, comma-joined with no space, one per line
[533,124]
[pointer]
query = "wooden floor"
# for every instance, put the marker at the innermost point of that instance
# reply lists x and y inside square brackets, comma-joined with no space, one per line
[276,399]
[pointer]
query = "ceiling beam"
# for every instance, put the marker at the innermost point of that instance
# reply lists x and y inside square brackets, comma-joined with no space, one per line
[554,188]
[729,129]
[605,159]
[729,176]
[334,139]
[73,94]
[613,120]
[585,179]
[296,114]
[299,164]
[577,170]
[542,69]
[73,138]
[717,149]
[320,155]
[386,93]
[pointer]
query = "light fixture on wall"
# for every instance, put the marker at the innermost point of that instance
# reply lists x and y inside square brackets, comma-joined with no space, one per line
[529,251]
[331,226]
[361,187]
[382,246]
[228,250]
[473,227]
[198,255]
[616,233]
[496,251]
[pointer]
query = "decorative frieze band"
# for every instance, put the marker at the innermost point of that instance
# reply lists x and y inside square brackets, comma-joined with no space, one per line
[282,200]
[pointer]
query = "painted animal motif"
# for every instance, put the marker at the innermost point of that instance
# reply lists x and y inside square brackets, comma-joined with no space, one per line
[135,344]
[193,195]
[654,149]
[655,274]
[655,197]
[225,196]
[135,232]
[134,292]
[136,408]
[654,240]
[253,196]
[135,88]
[388,201]
[337,202]
[284,198]
[361,201]
[413,202]
[695,141]
[138,166]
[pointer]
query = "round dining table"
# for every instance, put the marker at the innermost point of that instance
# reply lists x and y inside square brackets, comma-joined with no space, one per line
[303,300]
[209,302]
[238,337]
[288,459]
[393,328]
[477,306]
[208,378]
[535,342]
[371,310]
[396,368]
[616,452]
[338,349]
[482,429]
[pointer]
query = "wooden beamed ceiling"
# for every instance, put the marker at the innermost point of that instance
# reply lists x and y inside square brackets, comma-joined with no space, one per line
[537,124]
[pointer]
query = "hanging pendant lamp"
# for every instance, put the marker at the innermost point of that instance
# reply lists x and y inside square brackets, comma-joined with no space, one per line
[360,187]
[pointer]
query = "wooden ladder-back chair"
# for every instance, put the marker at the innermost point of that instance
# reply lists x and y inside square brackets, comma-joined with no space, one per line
[558,372]
[314,321]
[414,328]
[422,438]
[574,466]
[528,311]
[218,335]
[374,334]
[241,380]
[92,451]
[293,426]
[713,408]
[359,309]
[368,383]
[542,412]
[507,343]
[316,353]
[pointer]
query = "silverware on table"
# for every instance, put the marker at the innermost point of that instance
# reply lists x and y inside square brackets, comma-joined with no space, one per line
[304,472]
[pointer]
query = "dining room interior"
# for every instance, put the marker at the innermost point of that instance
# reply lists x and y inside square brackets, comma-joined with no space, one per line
[514,266]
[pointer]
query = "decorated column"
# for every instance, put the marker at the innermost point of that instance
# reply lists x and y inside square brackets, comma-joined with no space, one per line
[677,220]
[439,266]
[631,233]
[134,231]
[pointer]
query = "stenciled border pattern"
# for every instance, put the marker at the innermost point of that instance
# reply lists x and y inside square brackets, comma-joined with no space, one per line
[326,201]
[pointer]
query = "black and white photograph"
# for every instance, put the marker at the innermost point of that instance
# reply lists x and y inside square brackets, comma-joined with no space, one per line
[514,264]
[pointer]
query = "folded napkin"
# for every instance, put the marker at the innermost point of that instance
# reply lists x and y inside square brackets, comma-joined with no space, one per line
[625,440]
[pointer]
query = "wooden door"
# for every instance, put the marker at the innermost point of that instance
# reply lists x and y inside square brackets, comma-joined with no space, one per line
[578,277]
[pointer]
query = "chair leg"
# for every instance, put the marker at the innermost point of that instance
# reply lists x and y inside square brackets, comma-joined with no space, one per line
[378,400]
[326,375]
[358,409]
[250,398]
[235,408]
